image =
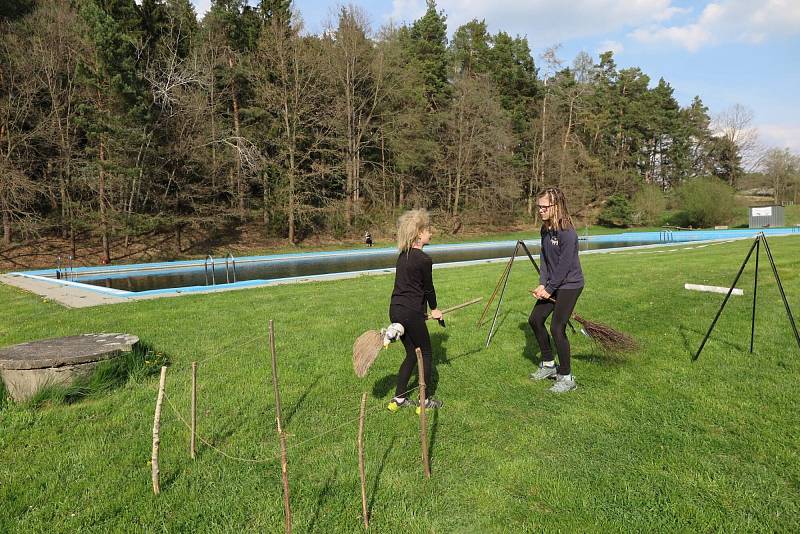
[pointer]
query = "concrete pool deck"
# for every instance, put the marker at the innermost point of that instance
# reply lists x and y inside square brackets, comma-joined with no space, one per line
[77,295]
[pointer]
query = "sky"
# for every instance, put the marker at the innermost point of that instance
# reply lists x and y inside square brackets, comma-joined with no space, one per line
[726,51]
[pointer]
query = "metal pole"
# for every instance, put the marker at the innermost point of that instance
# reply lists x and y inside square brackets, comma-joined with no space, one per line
[780,288]
[494,293]
[500,300]
[755,292]
[703,344]
[528,252]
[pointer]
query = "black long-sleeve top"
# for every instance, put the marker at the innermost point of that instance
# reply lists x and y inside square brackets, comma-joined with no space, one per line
[413,281]
[560,266]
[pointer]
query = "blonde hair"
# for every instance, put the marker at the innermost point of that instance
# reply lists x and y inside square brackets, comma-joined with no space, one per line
[560,219]
[409,226]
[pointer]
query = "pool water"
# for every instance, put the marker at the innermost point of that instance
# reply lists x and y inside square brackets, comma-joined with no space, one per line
[198,275]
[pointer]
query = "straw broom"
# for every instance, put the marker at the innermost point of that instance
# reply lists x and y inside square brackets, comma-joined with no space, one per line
[607,338]
[369,344]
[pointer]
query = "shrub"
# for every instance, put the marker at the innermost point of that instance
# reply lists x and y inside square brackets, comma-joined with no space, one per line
[616,213]
[649,205]
[705,202]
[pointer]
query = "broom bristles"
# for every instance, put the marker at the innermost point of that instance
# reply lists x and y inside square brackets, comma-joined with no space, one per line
[605,336]
[365,351]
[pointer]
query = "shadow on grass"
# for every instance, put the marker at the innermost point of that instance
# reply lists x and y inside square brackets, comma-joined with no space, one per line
[434,430]
[300,401]
[692,349]
[531,350]
[322,497]
[5,400]
[384,385]
[376,481]
[597,355]
[465,354]
[140,363]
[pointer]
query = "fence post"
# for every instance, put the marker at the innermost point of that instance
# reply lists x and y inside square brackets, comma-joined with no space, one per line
[157,432]
[423,418]
[281,434]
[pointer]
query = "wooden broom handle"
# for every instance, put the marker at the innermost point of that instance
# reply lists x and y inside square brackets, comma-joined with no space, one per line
[459,306]
[551,299]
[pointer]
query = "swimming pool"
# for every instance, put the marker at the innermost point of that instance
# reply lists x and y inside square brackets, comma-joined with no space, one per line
[183,277]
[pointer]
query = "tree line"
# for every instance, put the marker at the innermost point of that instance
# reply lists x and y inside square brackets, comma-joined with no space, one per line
[120,119]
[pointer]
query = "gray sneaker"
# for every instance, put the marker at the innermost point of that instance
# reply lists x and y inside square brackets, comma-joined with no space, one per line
[563,384]
[543,372]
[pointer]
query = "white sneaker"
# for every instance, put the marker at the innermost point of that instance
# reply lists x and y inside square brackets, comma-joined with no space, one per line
[564,383]
[544,371]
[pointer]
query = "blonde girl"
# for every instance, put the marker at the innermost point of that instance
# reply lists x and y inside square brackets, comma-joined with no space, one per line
[413,294]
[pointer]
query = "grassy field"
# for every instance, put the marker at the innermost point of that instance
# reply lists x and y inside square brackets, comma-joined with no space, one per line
[648,442]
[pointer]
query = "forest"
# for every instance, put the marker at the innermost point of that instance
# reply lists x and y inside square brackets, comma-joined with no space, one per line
[123,121]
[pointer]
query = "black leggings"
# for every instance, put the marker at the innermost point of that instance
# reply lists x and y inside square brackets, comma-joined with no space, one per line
[416,336]
[565,303]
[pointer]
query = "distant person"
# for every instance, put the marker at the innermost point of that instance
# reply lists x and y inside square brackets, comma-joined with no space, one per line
[560,285]
[412,295]
[368,238]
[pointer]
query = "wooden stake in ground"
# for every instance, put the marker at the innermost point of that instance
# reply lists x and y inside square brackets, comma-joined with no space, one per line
[194,410]
[361,469]
[281,435]
[157,431]
[423,418]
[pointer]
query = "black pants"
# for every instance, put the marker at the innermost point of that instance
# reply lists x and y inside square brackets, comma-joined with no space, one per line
[416,336]
[565,303]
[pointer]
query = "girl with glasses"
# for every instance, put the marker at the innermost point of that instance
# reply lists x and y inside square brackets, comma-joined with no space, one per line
[560,285]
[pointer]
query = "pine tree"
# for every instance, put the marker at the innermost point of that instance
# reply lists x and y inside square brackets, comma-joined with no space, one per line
[119,100]
[428,47]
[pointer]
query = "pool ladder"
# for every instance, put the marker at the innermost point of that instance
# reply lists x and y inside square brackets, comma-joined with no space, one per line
[233,265]
[230,268]
[666,236]
[65,271]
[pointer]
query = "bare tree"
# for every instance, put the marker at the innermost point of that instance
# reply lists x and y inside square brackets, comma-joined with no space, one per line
[56,50]
[478,147]
[736,125]
[18,90]
[782,168]
[356,68]
[289,83]
[552,65]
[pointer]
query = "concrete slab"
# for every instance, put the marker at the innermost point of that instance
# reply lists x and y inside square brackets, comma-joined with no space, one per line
[26,368]
[69,296]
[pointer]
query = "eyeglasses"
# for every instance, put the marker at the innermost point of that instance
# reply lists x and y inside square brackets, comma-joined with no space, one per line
[542,207]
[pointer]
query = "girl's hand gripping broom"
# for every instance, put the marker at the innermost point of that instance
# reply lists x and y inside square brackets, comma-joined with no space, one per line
[369,344]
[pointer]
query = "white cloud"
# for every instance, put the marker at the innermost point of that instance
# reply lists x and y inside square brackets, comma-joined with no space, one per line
[545,21]
[691,37]
[613,46]
[728,21]
[780,136]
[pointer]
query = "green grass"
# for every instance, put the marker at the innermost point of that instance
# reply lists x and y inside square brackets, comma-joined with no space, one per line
[649,442]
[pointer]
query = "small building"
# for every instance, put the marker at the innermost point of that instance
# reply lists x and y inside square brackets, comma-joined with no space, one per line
[766,216]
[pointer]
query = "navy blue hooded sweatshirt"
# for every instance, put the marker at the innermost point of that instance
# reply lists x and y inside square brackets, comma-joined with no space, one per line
[560,267]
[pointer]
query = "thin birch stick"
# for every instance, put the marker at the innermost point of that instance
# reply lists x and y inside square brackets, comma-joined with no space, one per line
[423,418]
[281,434]
[287,510]
[275,376]
[194,410]
[157,432]
[361,469]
